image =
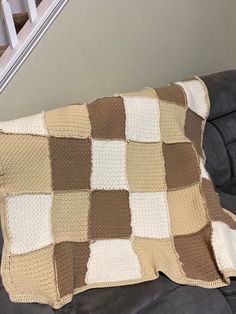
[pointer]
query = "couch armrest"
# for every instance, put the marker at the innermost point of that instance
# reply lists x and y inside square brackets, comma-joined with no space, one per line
[228,201]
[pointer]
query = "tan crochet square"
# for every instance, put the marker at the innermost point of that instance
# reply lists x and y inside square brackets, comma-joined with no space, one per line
[145,92]
[172,122]
[145,167]
[70,213]
[71,121]
[26,170]
[33,274]
[157,255]
[186,210]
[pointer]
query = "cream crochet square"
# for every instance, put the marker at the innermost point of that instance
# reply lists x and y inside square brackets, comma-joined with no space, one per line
[112,260]
[108,165]
[204,173]
[29,222]
[28,125]
[196,97]
[142,119]
[223,240]
[149,215]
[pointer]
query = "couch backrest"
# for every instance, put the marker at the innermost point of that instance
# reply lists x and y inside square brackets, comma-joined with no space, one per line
[220,133]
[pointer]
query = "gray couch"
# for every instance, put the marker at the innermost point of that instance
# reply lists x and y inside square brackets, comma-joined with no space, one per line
[162,295]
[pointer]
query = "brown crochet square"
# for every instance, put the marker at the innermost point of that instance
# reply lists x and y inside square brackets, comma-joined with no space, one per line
[214,209]
[109,215]
[181,164]
[71,163]
[107,116]
[193,130]
[172,94]
[71,260]
[198,263]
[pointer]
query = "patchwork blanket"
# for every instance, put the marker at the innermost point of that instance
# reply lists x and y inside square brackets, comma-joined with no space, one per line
[112,193]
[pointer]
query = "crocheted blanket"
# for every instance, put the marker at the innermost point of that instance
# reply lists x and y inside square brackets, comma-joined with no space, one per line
[110,193]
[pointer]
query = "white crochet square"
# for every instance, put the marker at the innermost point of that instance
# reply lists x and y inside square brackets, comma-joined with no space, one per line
[223,241]
[142,119]
[29,222]
[28,125]
[204,173]
[149,215]
[108,165]
[196,97]
[111,261]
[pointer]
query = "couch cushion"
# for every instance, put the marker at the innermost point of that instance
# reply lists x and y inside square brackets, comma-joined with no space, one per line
[217,162]
[222,92]
[220,132]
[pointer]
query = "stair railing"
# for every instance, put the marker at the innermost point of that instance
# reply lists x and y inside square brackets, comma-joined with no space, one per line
[21,44]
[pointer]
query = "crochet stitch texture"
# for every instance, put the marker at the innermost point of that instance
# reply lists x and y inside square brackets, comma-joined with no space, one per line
[111,193]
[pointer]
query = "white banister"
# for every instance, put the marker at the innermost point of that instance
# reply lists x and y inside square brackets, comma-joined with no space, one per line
[31,9]
[3,37]
[41,17]
[17,6]
[9,23]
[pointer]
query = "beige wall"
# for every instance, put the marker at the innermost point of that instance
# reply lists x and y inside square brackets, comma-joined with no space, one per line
[98,47]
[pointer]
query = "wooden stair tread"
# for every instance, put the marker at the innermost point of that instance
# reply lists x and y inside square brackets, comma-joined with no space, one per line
[3,49]
[20,19]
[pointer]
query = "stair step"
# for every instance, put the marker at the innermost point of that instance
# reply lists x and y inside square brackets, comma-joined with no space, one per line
[20,19]
[2,50]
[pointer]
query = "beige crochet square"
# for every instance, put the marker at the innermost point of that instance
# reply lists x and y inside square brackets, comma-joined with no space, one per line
[172,122]
[71,121]
[145,92]
[70,212]
[145,167]
[186,210]
[26,163]
[32,274]
[157,255]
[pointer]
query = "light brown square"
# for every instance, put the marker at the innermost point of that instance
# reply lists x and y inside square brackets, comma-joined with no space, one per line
[71,260]
[70,212]
[145,167]
[157,255]
[110,215]
[70,121]
[196,255]
[172,122]
[71,163]
[33,274]
[187,210]
[26,163]
[107,116]
[181,165]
